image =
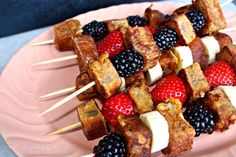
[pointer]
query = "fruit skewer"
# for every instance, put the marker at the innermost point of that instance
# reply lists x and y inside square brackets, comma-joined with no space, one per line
[193,45]
[71,33]
[122,22]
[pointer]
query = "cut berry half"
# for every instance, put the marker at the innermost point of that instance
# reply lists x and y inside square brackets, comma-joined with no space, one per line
[220,74]
[112,44]
[96,29]
[128,63]
[197,19]
[112,145]
[119,104]
[151,29]
[200,117]
[136,21]
[165,38]
[170,86]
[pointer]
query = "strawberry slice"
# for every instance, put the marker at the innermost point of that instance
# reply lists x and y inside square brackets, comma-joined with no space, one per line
[112,44]
[170,86]
[151,29]
[220,74]
[116,105]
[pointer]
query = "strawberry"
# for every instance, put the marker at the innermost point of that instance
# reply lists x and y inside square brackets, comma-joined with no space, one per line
[112,44]
[170,86]
[220,74]
[116,105]
[151,29]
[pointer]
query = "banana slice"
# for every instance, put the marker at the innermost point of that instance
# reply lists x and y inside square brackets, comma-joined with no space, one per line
[212,47]
[122,86]
[154,74]
[184,55]
[230,92]
[159,127]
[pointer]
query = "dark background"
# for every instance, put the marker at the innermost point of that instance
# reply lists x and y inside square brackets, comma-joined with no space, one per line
[22,15]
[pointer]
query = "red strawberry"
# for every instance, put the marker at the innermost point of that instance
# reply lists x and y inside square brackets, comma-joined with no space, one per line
[170,86]
[116,105]
[112,43]
[220,74]
[151,29]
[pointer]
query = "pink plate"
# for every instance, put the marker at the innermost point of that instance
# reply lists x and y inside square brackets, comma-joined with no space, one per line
[21,84]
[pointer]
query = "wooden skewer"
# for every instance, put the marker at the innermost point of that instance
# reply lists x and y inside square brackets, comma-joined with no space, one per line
[88,155]
[57,93]
[46,42]
[65,129]
[231,29]
[226,2]
[56,60]
[68,98]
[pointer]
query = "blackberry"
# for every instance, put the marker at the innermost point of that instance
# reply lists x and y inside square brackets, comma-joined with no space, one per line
[165,38]
[200,117]
[111,145]
[136,21]
[197,19]
[96,29]
[128,63]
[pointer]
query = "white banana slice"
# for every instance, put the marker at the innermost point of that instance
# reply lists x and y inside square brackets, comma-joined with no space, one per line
[159,127]
[212,47]
[123,85]
[154,74]
[230,92]
[184,55]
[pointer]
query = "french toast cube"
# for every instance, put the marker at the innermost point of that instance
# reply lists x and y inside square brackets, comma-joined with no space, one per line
[114,25]
[137,135]
[183,27]
[168,62]
[223,39]
[139,94]
[82,80]
[218,101]
[105,76]
[195,81]
[199,53]
[181,132]
[144,43]
[85,49]
[92,120]
[228,54]
[154,17]
[184,9]
[63,33]
[212,11]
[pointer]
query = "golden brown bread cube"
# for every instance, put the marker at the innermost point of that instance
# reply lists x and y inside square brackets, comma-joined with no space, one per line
[184,9]
[219,102]
[85,49]
[131,79]
[105,76]
[63,33]
[223,39]
[228,54]
[143,43]
[137,136]
[183,27]
[181,132]
[199,52]
[154,17]
[114,25]
[139,94]
[82,80]
[168,62]
[195,81]
[92,120]
[212,11]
